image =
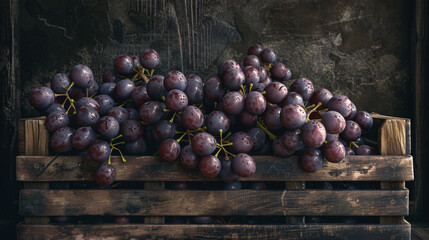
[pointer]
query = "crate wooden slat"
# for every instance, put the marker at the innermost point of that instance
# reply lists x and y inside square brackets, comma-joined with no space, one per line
[269,168]
[179,231]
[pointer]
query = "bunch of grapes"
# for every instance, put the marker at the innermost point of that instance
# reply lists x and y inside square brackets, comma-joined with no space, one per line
[213,126]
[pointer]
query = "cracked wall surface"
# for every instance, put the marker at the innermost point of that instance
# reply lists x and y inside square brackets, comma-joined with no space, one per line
[357,48]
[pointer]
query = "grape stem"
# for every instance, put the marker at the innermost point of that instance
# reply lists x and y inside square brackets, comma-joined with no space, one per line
[312,110]
[172,118]
[270,135]
[250,87]
[352,143]
[243,90]
[178,140]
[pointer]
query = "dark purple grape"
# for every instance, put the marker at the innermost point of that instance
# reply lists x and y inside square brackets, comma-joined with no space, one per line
[364,120]
[99,151]
[55,120]
[139,95]
[241,142]
[53,107]
[233,186]
[341,104]
[88,102]
[105,174]
[226,173]
[40,98]
[82,76]
[233,78]
[330,136]
[255,103]
[233,103]
[93,89]
[155,87]
[349,151]
[334,151]
[275,92]
[209,166]
[247,119]
[194,77]
[192,118]
[268,55]
[149,59]
[313,134]
[213,89]
[252,60]
[251,75]
[134,115]
[169,150]
[292,98]
[203,144]
[292,140]
[60,141]
[107,88]
[150,112]
[293,116]
[258,137]
[217,120]
[264,75]
[352,131]
[123,64]
[243,164]
[271,118]
[225,66]
[304,87]
[123,89]
[109,76]
[258,186]
[321,95]
[164,130]
[138,147]
[365,150]
[122,220]
[334,122]
[255,50]
[203,220]
[279,71]
[175,80]
[121,114]
[311,160]
[176,100]
[82,138]
[131,130]
[280,150]
[106,102]
[136,61]
[194,91]
[60,83]
[86,116]
[178,185]
[352,113]
[188,158]
[108,127]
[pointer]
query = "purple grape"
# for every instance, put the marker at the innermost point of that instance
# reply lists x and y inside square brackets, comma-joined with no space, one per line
[53,107]
[82,76]
[109,76]
[138,147]
[255,50]
[77,93]
[213,89]
[364,120]
[123,89]
[86,116]
[55,120]
[108,127]
[233,78]
[225,66]
[60,141]
[349,151]
[88,102]
[233,186]
[243,164]
[268,55]
[107,88]
[304,87]
[352,113]
[150,112]
[281,150]
[175,80]
[334,151]
[188,158]
[341,104]
[293,116]
[40,98]
[233,103]
[121,114]
[134,115]
[352,131]
[271,118]
[258,137]
[330,136]
[139,95]
[255,103]
[313,134]
[105,174]
[155,87]
[247,119]
[275,92]
[217,120]
[169,150]
[292,140]
[123,64]
[226,173]
[136,61]
[194,91]
[258,186]
[292,98]
[241,142]
[251,75]
[60,83]
[149,59]
[264,75]
[252,60]
[99,151]
[192,118]
[163,130]
[203,144]
[279,71]
[194,77]
[131,130]
[176,100]
[82,138]
[334,122]
[321,95]
[209,166]
[311,160]
[365,150]
[106,102]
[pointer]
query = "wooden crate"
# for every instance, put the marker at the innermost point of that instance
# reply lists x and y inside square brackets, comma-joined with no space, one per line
[390,201]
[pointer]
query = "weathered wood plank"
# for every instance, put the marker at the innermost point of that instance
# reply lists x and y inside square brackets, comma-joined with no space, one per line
[192,231]
[291,186]
[154,186]
[214,203]
[268,168]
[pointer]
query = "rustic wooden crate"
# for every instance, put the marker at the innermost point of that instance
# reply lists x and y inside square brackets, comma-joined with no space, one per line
[390,202]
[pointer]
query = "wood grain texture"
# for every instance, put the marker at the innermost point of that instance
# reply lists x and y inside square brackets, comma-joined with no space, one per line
[292,186]
[268,168]
[154,186]
[215,232]
[214,203]
[33,137]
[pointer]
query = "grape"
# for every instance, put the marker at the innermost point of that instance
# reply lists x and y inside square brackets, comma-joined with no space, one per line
[138,147]
[304,87]
[163,130]
[194,77]
[258,186]
[352,131]
[188,158]
[365,150]
[178,185]
[131,130]
[321,95]
[280,71]
[60,83]
[313,134]
[243,164]
[225,66]
[136,61]
[82,76]
[334,122]
[330,136]
[255,50]
[107,88]
[60,141]
[264,75]
[77,93]
[334,151]
[82,138]
[121,114]
[133,114]
[341,104]
[233,103]
[210,166]
[258,137]
[352,113]
[275,92]
[192,118]
[268,55]
[247,119]
[53,107]
[149,59]
[281,150]
[99,151]
[203,144]
[106,102]
[123,89]
[364,120]
[233,78]
[292,140]
[176,100]
[241,142]
[271,118]
[150,112]
[203,220]
[55,120]
[251,60]
[213,89]
[40,98]
[155,87]
[311,160]
[122,220]
[194,91]
[108,127]
[88,102]
[105,174]
[292,98]
[293,116]
[349,151]
[175,80]
[217,120]
[233,186]
[255,103]
[109,76]
[123,64]
[169,150]
[86,116]
[226,173]
[251,75]
[139,95]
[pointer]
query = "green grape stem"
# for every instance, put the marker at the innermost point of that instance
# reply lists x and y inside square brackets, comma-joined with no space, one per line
[270,135]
